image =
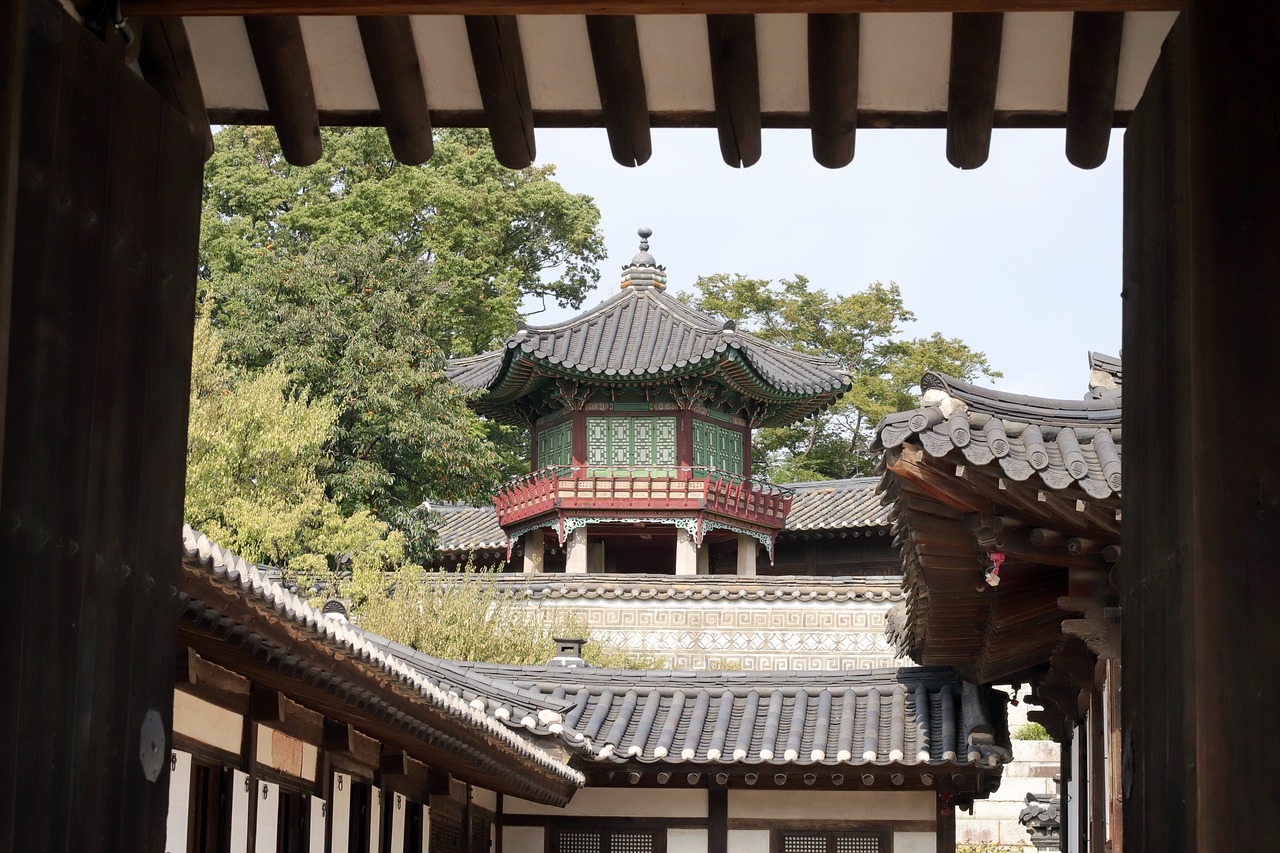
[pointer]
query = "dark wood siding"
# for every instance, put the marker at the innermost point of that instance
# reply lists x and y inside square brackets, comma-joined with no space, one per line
[94,445]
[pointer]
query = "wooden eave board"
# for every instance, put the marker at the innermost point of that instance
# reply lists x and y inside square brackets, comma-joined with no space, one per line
[903,70]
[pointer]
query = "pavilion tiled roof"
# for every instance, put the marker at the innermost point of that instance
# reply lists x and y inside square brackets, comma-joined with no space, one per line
[643,334]
[1059,443]
[876,718]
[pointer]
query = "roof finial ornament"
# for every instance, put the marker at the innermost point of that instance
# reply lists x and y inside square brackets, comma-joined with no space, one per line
[644,271]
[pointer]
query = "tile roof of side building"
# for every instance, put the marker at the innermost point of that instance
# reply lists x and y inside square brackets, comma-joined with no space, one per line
[216,567]
[917,717]
[851,504]
[1059,443]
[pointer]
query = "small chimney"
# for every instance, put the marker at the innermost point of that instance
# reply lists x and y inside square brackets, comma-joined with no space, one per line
[335,609]
[568,652]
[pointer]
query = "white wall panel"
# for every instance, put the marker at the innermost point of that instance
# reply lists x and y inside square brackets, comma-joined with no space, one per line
[239,797]
[319,812]
[179,820]
[749,840]
[266,835]
[687,841]
[399,809]
[523,839]
[833,805]
[914,842]
[375,818]
[340,814]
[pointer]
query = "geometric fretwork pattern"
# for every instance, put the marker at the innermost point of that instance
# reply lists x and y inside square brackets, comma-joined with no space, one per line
[834,841]
[760,635]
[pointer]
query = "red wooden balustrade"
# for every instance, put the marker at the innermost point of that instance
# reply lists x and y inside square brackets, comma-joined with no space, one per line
[696,489]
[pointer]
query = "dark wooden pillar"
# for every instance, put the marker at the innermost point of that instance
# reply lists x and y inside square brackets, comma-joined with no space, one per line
[945,827]
[94,444]
[1202,498]
[717,818]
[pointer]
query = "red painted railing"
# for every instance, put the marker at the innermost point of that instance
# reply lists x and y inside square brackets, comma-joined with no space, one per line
[697,489]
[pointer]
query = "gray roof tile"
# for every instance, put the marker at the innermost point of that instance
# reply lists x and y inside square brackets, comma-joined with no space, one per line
[909,716]
[1058,442]
[642,330]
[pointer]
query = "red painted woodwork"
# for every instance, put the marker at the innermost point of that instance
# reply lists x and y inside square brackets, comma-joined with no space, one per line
[690,490]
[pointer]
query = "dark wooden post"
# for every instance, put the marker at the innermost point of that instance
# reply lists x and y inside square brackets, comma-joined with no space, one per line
[1202,500]
[717,818]
[94,444]
[946,825]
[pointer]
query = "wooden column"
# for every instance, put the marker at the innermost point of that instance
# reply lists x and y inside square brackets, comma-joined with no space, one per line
[686,553]
[534,554]
[1200,590]
[575,552]
[946,826]
[96,387]
[717,818]
[747,547]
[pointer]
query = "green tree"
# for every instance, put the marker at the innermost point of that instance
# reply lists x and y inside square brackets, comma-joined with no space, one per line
[358,276]
[863,329]
[465,616]
[487,236]
[252,449]
[359,329]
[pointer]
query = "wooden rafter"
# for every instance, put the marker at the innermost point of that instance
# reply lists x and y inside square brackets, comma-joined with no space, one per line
[626,7]
[168,66]
[615,53]
[1091,90]
[971,98]
[833,87]
[504,87]
[281,58]
[735,80]
[392,57]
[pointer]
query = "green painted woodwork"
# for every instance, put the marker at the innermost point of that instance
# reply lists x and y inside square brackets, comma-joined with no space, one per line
[631,441]
[555,445]
[717,447]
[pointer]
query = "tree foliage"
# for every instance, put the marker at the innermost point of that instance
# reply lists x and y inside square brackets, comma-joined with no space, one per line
[252,486]
[358,276]
[465,616]
[864,329]
[486,236]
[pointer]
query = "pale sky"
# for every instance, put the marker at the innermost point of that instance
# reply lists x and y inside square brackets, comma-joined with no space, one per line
[1020,258]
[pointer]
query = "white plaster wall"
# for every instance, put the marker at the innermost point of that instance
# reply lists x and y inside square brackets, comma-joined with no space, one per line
[832,805]
[619,802]
[485,799]
[687,841]
[522,839]
[914,842]
[749,841]
[206,722]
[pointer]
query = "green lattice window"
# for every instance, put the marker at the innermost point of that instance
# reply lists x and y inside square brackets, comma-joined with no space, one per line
[555,445]
[717,447]
[631,442]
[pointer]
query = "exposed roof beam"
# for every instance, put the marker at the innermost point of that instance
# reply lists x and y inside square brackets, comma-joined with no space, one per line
[504,87]
[1091,90]
[168,66]
[392,56]
[615,52]
[627,7]
[735,80]
[971,97]
[281,57]
[833,87]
